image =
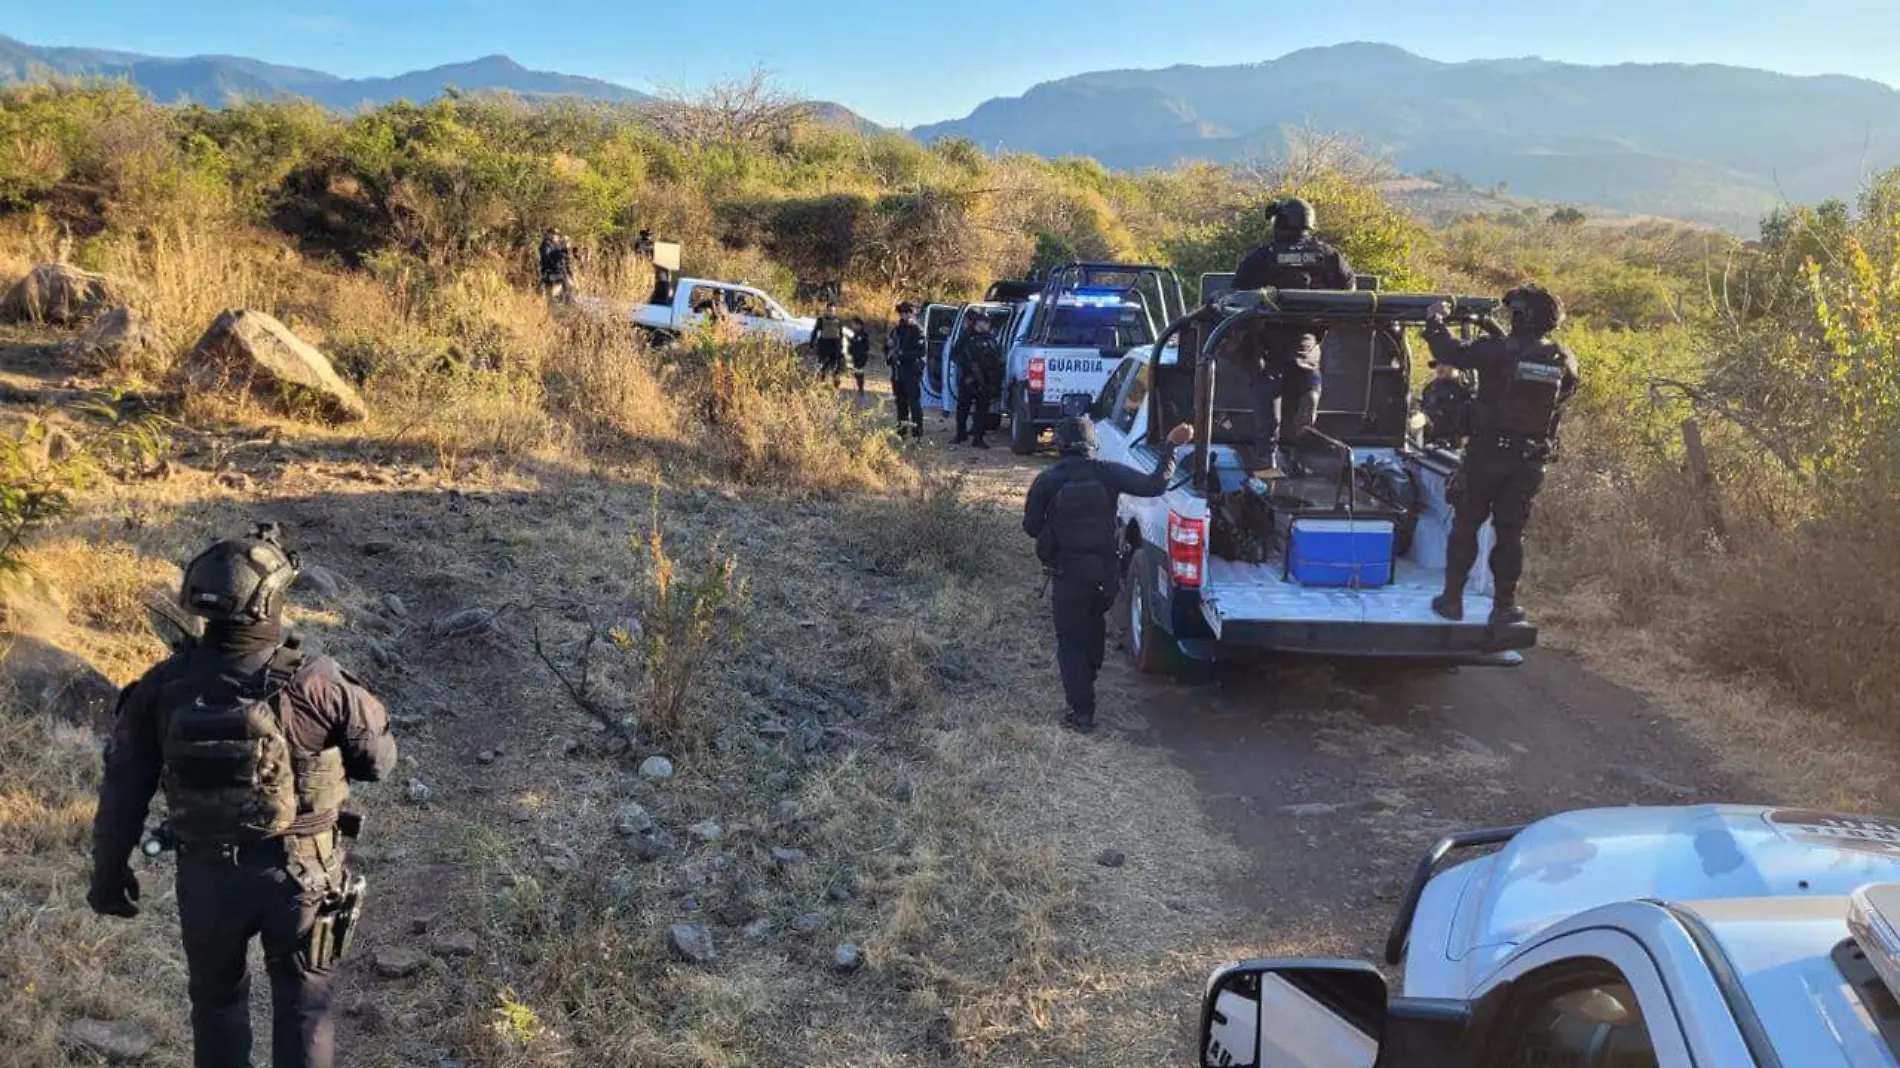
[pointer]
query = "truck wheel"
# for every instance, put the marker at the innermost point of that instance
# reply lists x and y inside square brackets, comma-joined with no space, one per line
[1022,425]
[1152,646]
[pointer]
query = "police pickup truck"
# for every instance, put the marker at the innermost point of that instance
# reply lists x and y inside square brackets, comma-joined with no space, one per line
[1342,559]
[1716,936]
[1067,339]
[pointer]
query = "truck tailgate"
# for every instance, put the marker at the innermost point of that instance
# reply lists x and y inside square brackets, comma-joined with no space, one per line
[1250,604]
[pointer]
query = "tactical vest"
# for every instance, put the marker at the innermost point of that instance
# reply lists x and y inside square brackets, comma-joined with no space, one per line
[1081,521]
[1533,390]
[983,359]
[1296,265]
[908,347]
[231,773]
[830,330]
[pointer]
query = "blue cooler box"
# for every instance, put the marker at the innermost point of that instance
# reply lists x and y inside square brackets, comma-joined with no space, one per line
[1340,552]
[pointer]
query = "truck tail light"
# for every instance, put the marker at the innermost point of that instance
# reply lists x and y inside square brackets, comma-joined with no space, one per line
[1036,378]
[1186,548]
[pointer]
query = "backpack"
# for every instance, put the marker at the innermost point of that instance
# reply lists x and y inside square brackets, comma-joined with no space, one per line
[1080,521]
[230,774]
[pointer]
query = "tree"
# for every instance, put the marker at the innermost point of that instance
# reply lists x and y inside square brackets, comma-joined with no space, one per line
[740,111]
[1568,216]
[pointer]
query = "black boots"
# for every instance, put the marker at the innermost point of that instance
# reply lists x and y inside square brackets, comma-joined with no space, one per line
[979,443]
[1450,606]
[1079,722]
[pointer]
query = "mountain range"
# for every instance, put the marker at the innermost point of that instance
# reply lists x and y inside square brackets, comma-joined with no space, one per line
[219,80]
[1715,144]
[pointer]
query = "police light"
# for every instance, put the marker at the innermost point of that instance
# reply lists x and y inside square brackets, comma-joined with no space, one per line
[1096,298]
[1872,915]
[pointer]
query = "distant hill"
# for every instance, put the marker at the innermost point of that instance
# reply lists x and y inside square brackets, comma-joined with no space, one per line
[219,80]
[216,81]
[1715,144]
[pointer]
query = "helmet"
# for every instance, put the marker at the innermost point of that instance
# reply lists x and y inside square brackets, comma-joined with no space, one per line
[1534,309]
[1294,215]
[1075,436]
[240,580]
[907,308]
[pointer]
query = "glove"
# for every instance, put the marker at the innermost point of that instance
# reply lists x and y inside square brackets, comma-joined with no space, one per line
[114,892]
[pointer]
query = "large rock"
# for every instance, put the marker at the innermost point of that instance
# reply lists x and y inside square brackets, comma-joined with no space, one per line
[119,338]
[250,351]
[38,677]
[117,1041]
[61,294]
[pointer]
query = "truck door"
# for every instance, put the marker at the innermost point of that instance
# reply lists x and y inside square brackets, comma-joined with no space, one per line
[1590,998]
[938,321]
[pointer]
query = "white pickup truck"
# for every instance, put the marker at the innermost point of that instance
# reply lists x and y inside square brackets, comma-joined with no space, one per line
[692,301]
[1715,936]
[1341,560]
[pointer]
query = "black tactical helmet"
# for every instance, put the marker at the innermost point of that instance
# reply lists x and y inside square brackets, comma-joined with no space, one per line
[906,308]
[1294,216]
[1075,436]
[240,580]
[1534,309]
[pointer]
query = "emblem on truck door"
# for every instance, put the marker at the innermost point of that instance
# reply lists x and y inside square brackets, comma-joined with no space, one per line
[1860,834]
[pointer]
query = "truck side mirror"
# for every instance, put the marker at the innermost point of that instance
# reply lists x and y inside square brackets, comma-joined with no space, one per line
[1293,1014]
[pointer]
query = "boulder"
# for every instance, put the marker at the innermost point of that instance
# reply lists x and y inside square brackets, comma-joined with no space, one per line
[691,943]
[61,294]
[252,352]
[39,677]
[117,1041]
[119,338]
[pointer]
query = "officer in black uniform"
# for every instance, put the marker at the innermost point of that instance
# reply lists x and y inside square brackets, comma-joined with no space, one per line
[254,743]
[906,350]
[1284,358]
[1524,380]
[1446,404]
[827,343]
[1070,511]
[860,348]
[557,266]
[979,364]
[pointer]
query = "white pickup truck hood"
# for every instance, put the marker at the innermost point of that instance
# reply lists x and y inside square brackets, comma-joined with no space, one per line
[1475,914]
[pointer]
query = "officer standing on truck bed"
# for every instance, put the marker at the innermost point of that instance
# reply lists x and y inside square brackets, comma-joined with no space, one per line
[979,364]
[906,350]
[254,743]
[1284,358]
[1070,511]
[1524,381]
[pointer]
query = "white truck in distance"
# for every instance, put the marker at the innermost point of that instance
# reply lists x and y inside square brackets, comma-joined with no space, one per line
[692,301]
[1713,936]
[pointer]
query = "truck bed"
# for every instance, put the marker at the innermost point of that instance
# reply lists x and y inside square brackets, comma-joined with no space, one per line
[1250,604]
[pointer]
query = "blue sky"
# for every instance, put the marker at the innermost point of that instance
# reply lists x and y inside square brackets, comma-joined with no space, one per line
[906,63]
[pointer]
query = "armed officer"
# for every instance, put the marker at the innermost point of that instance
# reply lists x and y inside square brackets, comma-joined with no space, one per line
[1524,381]
[254,743]
[827,343]
[557,266]
[1284,358]
[1070,511]
[906,350]
[979,363]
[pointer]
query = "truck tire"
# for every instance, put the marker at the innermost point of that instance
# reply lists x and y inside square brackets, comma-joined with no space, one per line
[1022,425]
[1152,647]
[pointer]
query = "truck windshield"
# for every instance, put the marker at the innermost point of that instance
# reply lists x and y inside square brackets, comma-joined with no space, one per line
[1099,327]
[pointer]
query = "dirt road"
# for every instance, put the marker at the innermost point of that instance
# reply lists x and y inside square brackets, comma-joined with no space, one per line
[1334,776]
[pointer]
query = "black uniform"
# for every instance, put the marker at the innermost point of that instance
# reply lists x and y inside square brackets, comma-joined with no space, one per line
[1070,511]
[860,355]
[827,343]
[1524,380]
[907,350]
[979,364]
[241,876]
[1284,359]
[557,266]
